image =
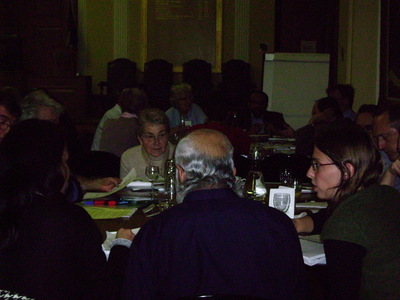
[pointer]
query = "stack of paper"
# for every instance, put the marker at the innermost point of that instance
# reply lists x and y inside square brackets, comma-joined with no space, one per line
[313,250]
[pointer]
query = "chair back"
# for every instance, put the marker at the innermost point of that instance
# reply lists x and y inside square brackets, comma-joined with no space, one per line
[236,85]
[158,78]
[97,164]
[197,73]
[121,74]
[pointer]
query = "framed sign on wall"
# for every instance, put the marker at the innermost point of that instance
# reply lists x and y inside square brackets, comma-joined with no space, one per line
[179,31]
[390,60]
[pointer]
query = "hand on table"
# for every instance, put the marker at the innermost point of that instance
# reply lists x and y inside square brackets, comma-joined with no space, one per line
[124,233]
[105,184]
[391,173]
[304,224]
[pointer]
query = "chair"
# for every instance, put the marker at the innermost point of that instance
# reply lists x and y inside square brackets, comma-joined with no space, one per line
[158,78]
[121,74]
[197,73]
[236,84]
[97,164]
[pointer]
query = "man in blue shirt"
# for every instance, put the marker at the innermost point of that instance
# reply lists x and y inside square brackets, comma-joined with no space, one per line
[213,242]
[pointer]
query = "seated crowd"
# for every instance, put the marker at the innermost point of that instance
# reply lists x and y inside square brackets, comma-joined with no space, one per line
[214,241]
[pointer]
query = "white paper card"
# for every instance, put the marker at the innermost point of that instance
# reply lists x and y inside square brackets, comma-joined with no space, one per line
[283,200]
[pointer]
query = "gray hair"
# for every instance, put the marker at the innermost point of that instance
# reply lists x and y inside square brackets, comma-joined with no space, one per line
[152,116]
[177,91]
[205,169]
[34,101]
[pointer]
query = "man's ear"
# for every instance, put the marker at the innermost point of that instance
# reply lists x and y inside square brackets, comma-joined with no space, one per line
[181,173]
[350,169]
[234,171]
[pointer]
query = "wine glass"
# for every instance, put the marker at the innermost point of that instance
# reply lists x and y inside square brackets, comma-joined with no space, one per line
[152,173]
[282,201]
[255,188]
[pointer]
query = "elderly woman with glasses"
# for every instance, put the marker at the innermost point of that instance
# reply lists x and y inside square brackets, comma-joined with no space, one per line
[183,107]
[154,148]
[361,234]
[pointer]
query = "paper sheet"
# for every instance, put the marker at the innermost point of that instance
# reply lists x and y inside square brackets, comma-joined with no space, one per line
[125,181]
[102,212]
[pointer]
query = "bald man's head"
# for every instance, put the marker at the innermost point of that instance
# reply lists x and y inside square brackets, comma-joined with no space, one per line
[205,158]
[210,143]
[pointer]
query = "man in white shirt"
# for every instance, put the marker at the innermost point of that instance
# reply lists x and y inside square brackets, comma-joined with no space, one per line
[113,113]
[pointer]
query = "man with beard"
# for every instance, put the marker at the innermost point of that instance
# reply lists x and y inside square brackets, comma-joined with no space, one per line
[213,241]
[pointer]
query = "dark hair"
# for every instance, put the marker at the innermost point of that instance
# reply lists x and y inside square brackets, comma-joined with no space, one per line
[350,144]
[11,103]
[346,90]
[133,100]
[260,92]
[393,111]
[329,103]
[368,108]
[30,159]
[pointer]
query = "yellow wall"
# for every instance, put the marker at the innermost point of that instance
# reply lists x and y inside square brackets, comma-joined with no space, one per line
[359,40]
[100,35]
[99,39]
[358,37]
[365,52]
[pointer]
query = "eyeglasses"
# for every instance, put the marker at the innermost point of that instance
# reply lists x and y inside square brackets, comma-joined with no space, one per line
[386,137]
[315,165]
[4,124]
[153,138]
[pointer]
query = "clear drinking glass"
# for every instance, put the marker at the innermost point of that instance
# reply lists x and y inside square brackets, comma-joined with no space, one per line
[168,199]
[282,201]
[152,173]
[255,187]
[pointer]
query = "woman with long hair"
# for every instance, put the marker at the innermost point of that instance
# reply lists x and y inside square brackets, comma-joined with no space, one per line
[49,248]
[362,233]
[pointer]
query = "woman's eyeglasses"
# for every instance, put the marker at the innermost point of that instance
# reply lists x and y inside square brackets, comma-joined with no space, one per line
[315,165]
[153,138]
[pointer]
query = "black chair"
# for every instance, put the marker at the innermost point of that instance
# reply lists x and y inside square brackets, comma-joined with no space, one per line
[121,74]
[97,164]
[158,78]
[197,73]
[236,84]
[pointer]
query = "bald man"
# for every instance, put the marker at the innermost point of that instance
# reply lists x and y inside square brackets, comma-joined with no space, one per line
[214,241]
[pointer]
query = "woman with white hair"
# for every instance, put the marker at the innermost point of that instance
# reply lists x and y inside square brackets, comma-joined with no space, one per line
[154,148]
[182,107]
